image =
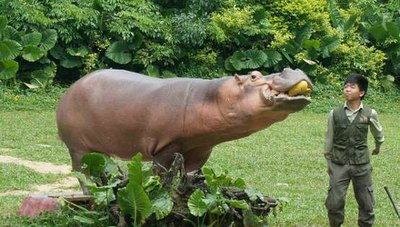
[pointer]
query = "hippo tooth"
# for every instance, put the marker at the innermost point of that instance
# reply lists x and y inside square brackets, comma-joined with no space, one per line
[275,93]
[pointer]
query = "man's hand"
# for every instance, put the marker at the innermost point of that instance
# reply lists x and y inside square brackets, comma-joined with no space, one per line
[328,170]
[375,151]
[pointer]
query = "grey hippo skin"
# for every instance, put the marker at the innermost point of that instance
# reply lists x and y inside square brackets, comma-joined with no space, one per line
[121,113]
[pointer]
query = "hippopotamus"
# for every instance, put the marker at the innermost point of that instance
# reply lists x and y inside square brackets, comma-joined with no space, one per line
[121,113]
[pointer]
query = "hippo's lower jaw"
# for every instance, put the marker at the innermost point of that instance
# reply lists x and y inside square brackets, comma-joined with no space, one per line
[273,95]
[282,101]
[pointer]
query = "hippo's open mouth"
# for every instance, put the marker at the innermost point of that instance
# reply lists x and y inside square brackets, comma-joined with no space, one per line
[295,93]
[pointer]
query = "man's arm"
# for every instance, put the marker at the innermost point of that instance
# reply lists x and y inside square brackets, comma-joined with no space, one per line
[376,131]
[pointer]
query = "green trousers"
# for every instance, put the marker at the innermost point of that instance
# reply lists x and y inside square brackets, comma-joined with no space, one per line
[339,180]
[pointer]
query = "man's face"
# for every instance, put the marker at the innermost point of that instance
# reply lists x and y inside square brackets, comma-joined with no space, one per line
[352,92]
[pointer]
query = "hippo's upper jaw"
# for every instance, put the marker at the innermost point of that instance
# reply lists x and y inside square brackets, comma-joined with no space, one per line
[280,94]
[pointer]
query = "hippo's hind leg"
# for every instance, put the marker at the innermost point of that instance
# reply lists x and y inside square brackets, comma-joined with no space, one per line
[76,158]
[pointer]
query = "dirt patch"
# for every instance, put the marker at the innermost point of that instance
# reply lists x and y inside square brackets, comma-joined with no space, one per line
[2,149]
[41,167]
[65,185]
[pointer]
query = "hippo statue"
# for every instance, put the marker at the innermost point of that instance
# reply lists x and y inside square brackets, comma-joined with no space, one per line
[121,113]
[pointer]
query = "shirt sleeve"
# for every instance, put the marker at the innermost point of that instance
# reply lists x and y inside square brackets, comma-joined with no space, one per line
[329,137]
[376,129]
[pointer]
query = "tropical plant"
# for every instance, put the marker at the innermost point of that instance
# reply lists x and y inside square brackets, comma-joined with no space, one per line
[31,47]
[139,197]
[67,39]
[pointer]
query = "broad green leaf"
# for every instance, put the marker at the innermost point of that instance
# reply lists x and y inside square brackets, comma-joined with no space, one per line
[49,39]
[329,44]
[32,53]
[390,78]
[253,194]
[11,34]
[94,164]
[349,23]
[313,47]
[162,205]
[260,14]
[97,5]
[273,58]
[287,56]
[393,30]
[379,32]
[9,50]
[83,178]
[310,62]
[240,204]
[119,52]
[135,169]
[228,65]
[71,62]
[197,206]
[212,200]
[168,74]
[292,47]
[336,18]
[31,39]
[256,58]
[312,44]
[153,70]
[32,85]
[58,53]
[303,34]
[134,201]
[137,40]
[237,60]
[8,69]
[3,22]
[239,183]
[104,196]
[250,219]
[42,77]
[78,52]
[84,220]
[249,59]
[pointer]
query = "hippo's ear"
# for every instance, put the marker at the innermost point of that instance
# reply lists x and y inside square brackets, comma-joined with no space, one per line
[238,79]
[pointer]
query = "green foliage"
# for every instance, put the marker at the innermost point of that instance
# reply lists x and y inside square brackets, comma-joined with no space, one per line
[196,203]
[29,46]
[19,98]
[67,39]
[119,52]
[144,198]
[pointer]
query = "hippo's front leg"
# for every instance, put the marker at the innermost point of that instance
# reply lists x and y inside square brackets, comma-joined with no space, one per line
[76,158]
[163,159]
[196,158]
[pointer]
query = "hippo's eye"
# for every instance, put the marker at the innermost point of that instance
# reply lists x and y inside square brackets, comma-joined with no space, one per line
[253,77]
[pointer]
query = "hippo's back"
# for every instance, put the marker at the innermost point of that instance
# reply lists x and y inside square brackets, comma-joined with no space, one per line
[121,113]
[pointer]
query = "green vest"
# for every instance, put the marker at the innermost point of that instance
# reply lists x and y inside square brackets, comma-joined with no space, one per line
[350,140]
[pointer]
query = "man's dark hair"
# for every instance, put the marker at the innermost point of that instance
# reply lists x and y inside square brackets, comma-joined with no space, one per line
[360,80]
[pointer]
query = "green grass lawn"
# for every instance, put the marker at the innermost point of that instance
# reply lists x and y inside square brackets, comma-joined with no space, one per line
[283,161]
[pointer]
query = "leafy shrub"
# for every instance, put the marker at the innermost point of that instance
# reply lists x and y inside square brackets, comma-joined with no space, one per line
[169,198]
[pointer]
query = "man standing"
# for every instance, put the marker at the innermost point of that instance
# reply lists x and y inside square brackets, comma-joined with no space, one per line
[347,153]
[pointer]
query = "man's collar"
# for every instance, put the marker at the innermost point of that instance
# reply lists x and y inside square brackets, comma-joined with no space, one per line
[359,108]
